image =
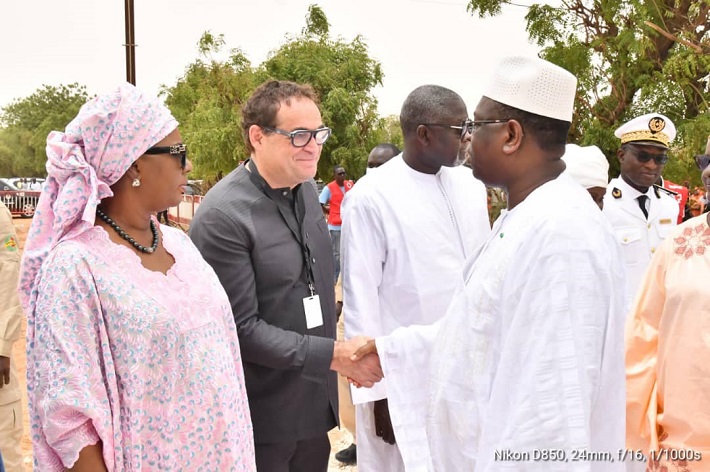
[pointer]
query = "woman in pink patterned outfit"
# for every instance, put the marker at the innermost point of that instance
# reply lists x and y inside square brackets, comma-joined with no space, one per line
[133,359]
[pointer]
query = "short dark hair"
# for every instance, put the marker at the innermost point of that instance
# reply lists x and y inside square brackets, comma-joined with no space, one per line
[549,133]
[425,104]
[264,103]
[387,147]
[336,167]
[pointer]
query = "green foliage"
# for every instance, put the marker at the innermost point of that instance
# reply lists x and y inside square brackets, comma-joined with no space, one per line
[343,75]
[207,100]
[316,22]
[25,124]
[627,67]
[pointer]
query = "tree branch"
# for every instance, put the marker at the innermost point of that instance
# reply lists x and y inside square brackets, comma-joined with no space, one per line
[673,38]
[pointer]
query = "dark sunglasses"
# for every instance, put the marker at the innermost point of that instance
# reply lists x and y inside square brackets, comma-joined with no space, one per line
[464,128]
[644,157]
[702,161]
[301,137]
[177,150]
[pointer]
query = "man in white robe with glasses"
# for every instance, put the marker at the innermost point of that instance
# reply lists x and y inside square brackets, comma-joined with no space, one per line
[526,371]
[408,228]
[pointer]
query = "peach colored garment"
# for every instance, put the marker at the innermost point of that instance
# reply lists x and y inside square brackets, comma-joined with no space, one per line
[668,352]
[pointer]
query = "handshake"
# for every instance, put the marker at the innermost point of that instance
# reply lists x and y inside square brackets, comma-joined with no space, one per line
[357,359]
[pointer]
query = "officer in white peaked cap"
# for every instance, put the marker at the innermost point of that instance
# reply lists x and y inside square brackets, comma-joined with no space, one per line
[641,212]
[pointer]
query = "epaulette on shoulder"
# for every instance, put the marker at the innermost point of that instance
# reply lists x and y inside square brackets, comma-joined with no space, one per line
[657,188]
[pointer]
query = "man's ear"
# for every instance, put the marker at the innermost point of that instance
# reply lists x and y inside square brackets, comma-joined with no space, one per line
[256,134]
[620,155]
[423,135]
[513,137]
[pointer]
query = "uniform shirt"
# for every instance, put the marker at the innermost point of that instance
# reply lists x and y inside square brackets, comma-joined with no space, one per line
[10,310]
[639,237]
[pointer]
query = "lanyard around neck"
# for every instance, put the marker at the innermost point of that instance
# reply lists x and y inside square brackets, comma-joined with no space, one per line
[299,209]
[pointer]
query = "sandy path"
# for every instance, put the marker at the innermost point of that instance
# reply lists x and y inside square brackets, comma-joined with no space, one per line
[339,439]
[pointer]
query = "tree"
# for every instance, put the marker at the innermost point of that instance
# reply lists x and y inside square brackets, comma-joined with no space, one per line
[630,57]
[343,74]
[25,124]
[207,99]
[207,102]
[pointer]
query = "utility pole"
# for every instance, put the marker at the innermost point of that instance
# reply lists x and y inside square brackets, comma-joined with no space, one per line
[130,43]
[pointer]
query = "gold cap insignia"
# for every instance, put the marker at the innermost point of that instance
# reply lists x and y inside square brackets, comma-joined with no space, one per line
[616,193]
[656,124]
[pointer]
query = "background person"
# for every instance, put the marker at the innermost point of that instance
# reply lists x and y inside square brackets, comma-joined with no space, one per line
[703,163]
[588,166]
[133,358]
[331,198]
[380,154]
[10,328]
[34,185]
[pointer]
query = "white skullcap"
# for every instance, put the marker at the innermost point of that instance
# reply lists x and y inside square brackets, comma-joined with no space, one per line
[587,165]
[653,129]
[534,85]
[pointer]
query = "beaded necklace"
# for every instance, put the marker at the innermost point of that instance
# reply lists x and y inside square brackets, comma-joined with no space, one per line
[124,235]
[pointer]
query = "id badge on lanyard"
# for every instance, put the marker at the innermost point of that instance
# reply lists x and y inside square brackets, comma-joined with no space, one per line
[311,307]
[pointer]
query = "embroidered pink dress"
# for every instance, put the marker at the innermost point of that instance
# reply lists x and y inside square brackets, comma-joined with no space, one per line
[145,362]
[668,355]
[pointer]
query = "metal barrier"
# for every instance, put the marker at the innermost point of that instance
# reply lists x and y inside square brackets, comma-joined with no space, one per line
[183,213]
[20,202]
[24,202]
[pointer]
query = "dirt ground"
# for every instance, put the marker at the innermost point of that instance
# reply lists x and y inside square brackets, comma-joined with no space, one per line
[339,439]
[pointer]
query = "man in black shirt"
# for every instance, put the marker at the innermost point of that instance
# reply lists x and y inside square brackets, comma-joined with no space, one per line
[264,234]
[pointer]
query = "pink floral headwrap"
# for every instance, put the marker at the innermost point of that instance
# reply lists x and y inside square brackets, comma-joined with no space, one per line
[96,149]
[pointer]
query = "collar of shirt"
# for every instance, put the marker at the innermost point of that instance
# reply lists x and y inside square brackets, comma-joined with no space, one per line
[278,195]
[628,191]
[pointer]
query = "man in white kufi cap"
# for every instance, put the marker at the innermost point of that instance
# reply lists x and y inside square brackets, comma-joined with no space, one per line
[642,213]
[526,371]
[588,166]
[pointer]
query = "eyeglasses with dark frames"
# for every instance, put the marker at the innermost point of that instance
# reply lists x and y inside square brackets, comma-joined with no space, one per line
[176,150]
[301,137]
[644,157]
[702,161]
[464,128]
[476,124]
